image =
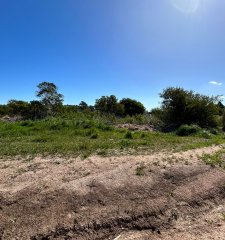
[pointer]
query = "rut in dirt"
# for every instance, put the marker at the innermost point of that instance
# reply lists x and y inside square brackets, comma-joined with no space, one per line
[155,205]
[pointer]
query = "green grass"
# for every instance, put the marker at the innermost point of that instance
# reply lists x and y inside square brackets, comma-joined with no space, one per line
[89,135]
[216,159]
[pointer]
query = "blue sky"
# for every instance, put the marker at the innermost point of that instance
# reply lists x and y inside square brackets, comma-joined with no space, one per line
[130,48]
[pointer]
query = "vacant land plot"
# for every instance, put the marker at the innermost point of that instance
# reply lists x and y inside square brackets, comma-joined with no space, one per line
[83,136]
[161,195]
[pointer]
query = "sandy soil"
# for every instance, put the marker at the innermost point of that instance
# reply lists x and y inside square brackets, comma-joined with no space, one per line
[159,196]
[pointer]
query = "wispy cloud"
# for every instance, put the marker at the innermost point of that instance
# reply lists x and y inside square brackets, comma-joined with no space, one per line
[215,83]
[186,6]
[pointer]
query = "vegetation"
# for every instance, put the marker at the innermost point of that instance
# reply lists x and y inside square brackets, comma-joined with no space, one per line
[132,107]
[187,130]
[85,134]
[50,98]
[140,170]
[216,159]
[48,126]
[180,107]
[109,105]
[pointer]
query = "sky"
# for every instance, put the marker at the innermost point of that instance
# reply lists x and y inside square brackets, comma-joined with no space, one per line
[129,48]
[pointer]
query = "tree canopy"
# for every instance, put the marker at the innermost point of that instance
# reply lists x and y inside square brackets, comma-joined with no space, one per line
[132,107]
[180,106]
[49,97]
[109,104]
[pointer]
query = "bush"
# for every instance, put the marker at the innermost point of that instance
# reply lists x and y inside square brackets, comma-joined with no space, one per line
[223,122]
[132,107]
[206,134]
[94,136]
[128,135]
[186,130]
[214,131]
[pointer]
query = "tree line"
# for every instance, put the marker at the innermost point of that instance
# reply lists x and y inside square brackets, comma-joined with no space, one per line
[178,107]
[50,103]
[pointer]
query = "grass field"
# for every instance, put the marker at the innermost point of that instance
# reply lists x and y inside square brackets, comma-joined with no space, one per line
[85,136]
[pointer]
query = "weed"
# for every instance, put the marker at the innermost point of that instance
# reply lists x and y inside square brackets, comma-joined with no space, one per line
[223,216]
[143,135]
[140,170]
[216,159]
[128,135]
[57,162]
[94,136]
[156,163]
[102,152]
[86,174]
[4,166]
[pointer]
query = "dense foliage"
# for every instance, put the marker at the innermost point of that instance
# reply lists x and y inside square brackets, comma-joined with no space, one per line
[109,104]
[126,106]
[132,107]
[50,98]
[180,107]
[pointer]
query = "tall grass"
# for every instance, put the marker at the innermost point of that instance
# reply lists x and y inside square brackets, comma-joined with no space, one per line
[84,134]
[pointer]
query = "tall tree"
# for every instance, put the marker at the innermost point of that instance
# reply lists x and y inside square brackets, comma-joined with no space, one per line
[50,98]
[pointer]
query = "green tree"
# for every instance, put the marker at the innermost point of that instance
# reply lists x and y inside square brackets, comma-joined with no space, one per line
[18,107]
[50,98]
[180,106]
[109,104]
[4,110]
[83,106]
[132,107]
[221,108]
[223,121]
[37,110]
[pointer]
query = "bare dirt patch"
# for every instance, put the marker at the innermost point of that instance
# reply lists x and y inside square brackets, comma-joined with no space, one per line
[176,196]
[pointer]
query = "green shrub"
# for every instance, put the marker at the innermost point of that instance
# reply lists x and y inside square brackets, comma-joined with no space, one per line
[187,130]
[140,170]
[27,123]
[223,121]
[143,135]
[128,135]
[205,134]
[94,136]
[214,131]
[216,159]
[124,143]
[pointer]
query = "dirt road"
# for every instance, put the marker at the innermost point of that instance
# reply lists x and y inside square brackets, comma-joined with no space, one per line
[160,196]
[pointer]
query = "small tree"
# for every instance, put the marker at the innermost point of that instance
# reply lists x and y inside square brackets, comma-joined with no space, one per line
[132,107]
[50,98]
[18,107]
[37,110]
[4,110]
[83,106]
